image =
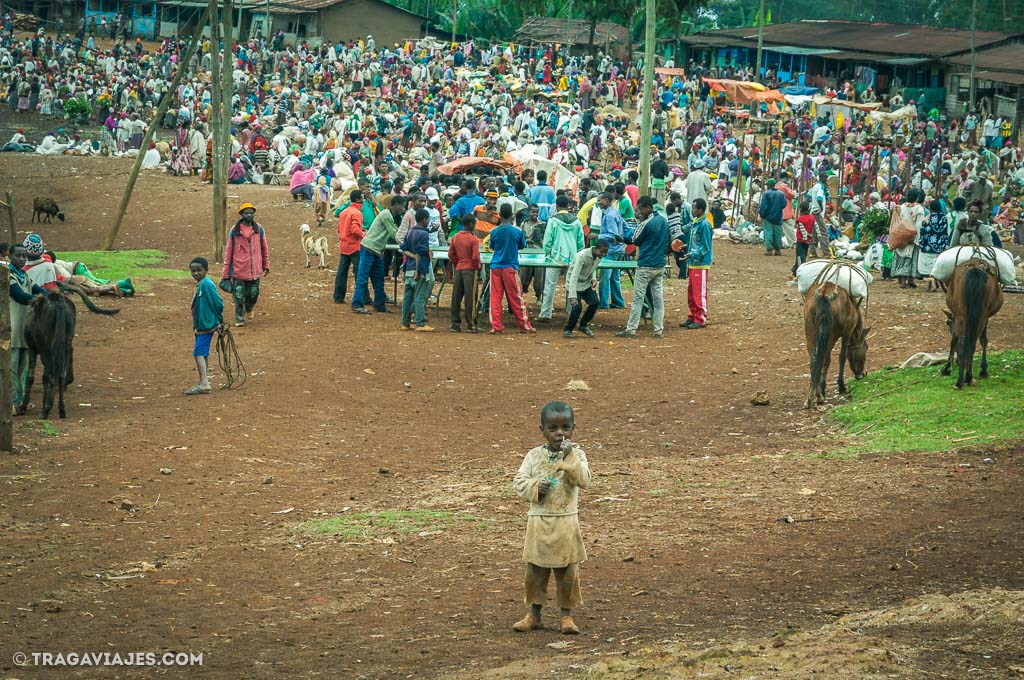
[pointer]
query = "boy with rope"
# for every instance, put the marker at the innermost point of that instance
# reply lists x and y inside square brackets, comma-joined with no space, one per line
[207,318]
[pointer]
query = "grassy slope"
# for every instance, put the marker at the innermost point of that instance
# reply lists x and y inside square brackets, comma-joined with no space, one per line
[916,409]
[138,264]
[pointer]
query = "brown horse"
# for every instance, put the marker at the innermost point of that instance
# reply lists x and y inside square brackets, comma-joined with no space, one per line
[973,296]
[830,314]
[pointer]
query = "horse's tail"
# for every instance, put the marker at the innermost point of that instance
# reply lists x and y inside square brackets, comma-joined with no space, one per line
[973,292]
[823,335]
[89,303]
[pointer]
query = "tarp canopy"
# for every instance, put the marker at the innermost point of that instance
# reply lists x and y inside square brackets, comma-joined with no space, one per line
[559,176]
[798,90]
[662,71]
[888,117]
[822,100]
[743,92]
[467,163]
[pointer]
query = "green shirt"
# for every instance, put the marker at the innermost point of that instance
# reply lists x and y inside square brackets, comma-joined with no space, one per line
[380,232]
[626,208]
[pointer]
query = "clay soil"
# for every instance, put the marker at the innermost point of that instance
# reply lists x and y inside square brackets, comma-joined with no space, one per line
[345,414]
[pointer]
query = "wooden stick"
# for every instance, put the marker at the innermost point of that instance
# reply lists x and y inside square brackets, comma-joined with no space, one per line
[108,243]
[217,131]
[6,379]
[227,73]
[12,217]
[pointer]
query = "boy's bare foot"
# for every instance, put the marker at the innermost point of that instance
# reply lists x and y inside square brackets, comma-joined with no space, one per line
[568,626]
[528,623]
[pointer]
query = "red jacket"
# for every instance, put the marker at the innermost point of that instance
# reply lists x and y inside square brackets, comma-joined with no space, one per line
[464,251]
[246,256]
[350,229]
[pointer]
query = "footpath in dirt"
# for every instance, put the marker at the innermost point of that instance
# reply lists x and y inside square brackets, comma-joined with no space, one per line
[349,513]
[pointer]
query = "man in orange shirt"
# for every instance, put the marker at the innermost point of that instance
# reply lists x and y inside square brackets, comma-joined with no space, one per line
[486,215]
[788,218]
[350,233]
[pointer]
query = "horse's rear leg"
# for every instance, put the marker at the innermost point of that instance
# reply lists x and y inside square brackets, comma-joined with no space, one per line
[49,381]
[823,384]
[842,366]
[946,370]
[984,352]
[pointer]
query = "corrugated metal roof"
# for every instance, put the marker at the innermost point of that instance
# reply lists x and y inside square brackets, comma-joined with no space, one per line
[1002,58]
[898,40]
[315,5]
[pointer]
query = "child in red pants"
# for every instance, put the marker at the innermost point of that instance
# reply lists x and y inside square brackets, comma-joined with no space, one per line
[698,261]
[506,239]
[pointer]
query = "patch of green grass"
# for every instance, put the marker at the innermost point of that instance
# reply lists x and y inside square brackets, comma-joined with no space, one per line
[367,524]
[116,265]
[916,409]
[43,427]
[658,492]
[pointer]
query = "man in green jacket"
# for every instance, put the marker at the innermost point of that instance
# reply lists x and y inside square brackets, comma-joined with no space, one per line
[563,238]
[371,256]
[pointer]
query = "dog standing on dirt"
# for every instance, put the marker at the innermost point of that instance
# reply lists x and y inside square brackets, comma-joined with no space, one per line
[46,209]
[314,245]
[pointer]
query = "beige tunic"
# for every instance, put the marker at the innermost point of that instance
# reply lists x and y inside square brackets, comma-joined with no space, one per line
[553,537]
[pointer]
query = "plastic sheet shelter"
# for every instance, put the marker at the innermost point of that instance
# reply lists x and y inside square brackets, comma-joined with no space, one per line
[743,92]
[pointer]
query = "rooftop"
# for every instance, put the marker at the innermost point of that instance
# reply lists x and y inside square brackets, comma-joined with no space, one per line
[574,32]
[829,37]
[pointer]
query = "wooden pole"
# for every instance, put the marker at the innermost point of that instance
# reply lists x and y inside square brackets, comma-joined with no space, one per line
[650,16]
[108,243]
[6,378]
[739,183]
[217,130]
[227,74]
[12,217]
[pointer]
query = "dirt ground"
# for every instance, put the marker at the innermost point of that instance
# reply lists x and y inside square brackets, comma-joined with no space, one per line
[346,414]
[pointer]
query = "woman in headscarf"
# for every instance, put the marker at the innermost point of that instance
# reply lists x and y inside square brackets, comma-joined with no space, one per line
[932,239]
[181,154]
[904,261]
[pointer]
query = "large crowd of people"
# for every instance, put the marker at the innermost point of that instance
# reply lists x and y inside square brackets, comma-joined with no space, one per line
[363,132]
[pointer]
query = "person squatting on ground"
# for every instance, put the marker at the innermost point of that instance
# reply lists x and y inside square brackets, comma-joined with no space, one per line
[464,255]
[419,273]
[550,478]
[581,283]
[506,240]
[207,318]
[246,261]
[698,263]
[651,237]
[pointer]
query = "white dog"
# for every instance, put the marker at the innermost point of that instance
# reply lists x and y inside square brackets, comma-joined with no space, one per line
[314,245]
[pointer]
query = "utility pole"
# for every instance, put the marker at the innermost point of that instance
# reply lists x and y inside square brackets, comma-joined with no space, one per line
[645,115]
[455,18]
[760,41]
[974,21]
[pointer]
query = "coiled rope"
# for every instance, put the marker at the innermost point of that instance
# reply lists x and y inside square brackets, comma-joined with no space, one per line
[228,360]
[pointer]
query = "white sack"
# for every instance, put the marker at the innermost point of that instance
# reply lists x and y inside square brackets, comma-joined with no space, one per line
[850,277]
[947,261]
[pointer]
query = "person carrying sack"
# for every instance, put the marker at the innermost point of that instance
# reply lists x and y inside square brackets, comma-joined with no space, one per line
[246,261]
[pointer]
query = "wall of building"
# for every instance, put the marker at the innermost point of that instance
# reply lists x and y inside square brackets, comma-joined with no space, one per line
[355,19]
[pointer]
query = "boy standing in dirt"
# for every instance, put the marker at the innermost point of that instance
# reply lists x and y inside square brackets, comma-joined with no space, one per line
[207,317]
[550,478]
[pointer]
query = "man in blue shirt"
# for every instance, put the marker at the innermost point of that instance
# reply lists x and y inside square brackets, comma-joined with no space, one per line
[419,273]
[651,237]
[506,240]
[543,195]
[466,203]
[613,230]
[773,202]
